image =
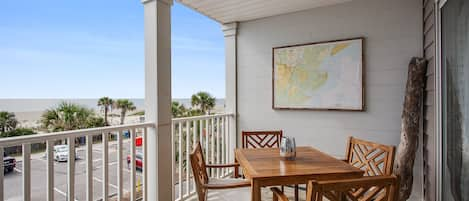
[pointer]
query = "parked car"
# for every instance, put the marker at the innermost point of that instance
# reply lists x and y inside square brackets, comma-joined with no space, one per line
[61,153]
[138,160]
[9,163]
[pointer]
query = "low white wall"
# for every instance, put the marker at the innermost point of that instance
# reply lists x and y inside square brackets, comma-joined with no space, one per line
[393,35]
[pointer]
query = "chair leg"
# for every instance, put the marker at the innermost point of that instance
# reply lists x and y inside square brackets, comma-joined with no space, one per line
[296,192]
[283,189]
[236,170]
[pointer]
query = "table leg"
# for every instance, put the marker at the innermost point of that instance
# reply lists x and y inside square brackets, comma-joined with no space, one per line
[296,193]
[255,190]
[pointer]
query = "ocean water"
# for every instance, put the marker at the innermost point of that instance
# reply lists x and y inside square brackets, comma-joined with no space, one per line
[34,105]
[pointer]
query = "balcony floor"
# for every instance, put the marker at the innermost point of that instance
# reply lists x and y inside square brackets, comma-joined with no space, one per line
[266,195]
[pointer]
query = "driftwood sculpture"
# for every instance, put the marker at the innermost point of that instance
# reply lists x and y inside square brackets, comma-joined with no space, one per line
[410,127]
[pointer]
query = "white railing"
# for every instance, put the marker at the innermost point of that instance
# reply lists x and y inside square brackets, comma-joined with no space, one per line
[218,142]
[70,136]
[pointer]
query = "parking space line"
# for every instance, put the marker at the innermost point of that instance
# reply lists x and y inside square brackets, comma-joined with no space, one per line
[62,193]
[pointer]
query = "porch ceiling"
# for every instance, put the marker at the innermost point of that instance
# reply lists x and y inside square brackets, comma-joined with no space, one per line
[226,11]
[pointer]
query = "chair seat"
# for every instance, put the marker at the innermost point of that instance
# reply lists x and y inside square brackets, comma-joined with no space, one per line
[235,194]
[225,181]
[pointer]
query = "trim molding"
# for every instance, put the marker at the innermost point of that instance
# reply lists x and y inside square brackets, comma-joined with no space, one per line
[230,29]
[168,2]
[438,103]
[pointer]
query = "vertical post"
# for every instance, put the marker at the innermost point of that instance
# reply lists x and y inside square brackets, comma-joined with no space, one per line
[180,157]
[120,168]
[187,150]
[230,33]
[89,168]
[105,160]
[71,169]
[157,23]
[27,172]
[145,169]
[50,170]
[1,174]
[133,169]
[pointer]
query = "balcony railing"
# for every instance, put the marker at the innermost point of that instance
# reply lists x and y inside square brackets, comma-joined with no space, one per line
[70,136]
[213,131]
[218,142]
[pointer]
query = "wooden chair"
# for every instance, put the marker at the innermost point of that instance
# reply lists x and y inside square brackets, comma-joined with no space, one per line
[261,139]
[204,183]
[264,139]
[376,188]
[375,159]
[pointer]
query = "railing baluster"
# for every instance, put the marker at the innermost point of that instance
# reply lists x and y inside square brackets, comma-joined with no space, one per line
[133,194]
[217,143]
[173,145]
[26,172]
[120,168]
[200,132]
[194,140]
[228,140]
[145,155]
[188,139]
[89,168]
[207,135]
[1,174]
[180,160]
[222,130]
[105,164]
[50,170]
[212,134]
[71,169]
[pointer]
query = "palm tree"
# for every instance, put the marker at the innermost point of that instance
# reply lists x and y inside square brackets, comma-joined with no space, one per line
[204,101]
[125,105]
[67,116]
[106,104]
[8,121]
[178,109]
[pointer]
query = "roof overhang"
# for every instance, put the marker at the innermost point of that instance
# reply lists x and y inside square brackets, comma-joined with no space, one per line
[227,11]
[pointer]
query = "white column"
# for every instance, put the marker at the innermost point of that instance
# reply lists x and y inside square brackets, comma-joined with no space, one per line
[230,31]
[157,15]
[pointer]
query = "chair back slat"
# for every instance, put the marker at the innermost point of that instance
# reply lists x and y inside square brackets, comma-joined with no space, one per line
[374,188]
[375,159]
[261,139]
[200,171]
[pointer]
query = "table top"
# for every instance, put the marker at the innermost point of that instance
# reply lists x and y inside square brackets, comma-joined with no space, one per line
[310,162]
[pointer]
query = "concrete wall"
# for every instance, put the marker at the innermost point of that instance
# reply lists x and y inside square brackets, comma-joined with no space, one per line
[393,34]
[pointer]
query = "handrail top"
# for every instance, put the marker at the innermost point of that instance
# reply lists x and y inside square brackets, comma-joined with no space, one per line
[175,120]
[12,141]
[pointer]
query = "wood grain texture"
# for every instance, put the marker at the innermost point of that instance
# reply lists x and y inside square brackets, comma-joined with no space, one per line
[410,126]
[381,188]
[202,181]
[265,167]
[374,158]
[261,139]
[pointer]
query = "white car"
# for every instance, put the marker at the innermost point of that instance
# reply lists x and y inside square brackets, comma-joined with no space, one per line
[61,153]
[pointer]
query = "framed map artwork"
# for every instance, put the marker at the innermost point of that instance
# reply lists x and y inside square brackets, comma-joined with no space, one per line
[323,76]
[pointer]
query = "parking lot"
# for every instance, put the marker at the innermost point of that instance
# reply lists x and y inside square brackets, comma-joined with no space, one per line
[13,180]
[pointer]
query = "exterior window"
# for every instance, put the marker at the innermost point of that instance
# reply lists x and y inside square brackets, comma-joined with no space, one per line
[455,86]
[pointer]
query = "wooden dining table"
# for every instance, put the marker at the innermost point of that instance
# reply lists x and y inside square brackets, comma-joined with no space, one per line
[265,167]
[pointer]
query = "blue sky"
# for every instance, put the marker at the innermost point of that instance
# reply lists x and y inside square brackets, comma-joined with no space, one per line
[90,48]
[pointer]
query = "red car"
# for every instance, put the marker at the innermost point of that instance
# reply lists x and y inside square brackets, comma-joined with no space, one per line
[138,160]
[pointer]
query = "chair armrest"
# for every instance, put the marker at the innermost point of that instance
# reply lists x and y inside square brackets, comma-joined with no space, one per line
[222,165]
[229,185]
[278,195]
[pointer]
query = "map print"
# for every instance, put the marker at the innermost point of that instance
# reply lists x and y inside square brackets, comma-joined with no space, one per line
[319,76]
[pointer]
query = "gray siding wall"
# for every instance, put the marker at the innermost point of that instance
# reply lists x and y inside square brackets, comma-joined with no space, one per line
[393,35]
[429,156]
